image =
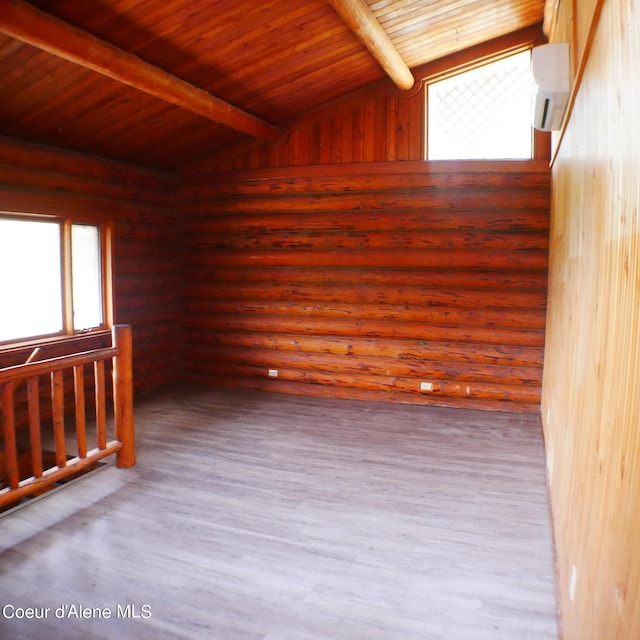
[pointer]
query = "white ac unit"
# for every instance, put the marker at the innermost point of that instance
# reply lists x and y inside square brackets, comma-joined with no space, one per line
[552,84]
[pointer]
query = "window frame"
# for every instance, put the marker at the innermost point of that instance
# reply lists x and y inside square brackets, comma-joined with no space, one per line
[541,143]
[105,234]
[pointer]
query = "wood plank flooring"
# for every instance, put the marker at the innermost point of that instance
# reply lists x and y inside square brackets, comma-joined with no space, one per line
[254,516]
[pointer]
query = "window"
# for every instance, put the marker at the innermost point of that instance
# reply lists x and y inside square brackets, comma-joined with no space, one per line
[53,277]
[484,113]
[86,276]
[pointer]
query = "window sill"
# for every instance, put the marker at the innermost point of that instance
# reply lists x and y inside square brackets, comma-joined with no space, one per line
[17,352]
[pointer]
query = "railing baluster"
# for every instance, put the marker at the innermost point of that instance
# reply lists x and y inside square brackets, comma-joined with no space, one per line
[31,372]
[101,404]
[81,420]
[33,394]
[57,399]
[9,426]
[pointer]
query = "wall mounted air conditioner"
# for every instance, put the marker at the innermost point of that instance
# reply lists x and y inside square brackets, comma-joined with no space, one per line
[552,84]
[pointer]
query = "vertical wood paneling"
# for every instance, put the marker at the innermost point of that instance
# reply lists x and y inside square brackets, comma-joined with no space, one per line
[391,127]
[385,129]
[591,404]
[40,180]
[363,281]
[368,123]
[584,12]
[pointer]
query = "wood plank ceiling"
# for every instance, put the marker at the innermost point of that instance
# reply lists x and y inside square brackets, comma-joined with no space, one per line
[273,59]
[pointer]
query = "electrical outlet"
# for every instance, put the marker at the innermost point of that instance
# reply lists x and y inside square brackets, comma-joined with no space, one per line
[426,386]
[572,582]
[273,373]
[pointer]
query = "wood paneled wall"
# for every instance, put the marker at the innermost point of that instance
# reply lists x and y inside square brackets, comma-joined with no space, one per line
[40,180]
[363,281]
[591,397]
[388,127]
[378,123]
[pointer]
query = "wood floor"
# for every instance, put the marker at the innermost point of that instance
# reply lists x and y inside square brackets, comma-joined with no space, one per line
[255,516]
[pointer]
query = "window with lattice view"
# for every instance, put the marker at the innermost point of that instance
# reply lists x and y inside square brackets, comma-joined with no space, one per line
[484,113]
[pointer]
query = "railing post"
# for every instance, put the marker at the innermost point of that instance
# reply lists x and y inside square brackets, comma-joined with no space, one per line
[123,394]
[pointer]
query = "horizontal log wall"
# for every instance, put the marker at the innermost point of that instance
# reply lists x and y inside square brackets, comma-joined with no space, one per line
[40,180]
[363,281]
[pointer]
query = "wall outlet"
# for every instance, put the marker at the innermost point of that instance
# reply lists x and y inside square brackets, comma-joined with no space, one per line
[426,386]
[273,373]
[572,582]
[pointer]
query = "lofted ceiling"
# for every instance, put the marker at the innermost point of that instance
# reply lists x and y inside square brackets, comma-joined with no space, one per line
[271,59]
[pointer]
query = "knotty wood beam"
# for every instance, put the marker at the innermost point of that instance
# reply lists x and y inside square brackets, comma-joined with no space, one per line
[360,19]
[24,22]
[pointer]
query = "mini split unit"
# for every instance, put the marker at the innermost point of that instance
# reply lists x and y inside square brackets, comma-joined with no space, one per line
[552,84]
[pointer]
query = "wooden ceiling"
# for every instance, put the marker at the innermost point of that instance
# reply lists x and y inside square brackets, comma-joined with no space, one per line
[271,59]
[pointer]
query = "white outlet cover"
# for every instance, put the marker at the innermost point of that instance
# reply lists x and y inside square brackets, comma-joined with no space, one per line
[273,373]
[572,582]
[426,386]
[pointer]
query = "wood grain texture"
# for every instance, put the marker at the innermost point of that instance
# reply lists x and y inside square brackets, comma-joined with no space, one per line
[274,59]
[585,13]
[591,404]
[289,518]
[375,123]
[123,421]
[364,281]
[39,180]
[57,401]
[26,455]
[35,437]
[79,410]
[424,30]
[360,19]
[10,451]
[24,22]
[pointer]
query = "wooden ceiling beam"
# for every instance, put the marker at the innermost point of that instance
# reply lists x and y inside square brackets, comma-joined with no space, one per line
[361,20]
[26,23]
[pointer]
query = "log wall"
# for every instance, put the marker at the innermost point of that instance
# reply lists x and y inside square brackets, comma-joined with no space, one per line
[363,281]
[591,399]
[40,180]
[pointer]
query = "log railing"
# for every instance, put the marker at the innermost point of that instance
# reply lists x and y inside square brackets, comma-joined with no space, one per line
[30,373]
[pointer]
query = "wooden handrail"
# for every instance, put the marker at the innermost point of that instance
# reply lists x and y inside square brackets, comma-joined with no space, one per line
[19,372]
[123,446]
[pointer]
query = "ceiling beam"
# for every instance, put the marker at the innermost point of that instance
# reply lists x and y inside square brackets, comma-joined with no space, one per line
[24,22]
[361,20]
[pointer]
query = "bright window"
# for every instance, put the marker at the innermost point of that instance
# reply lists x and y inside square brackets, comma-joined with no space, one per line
[51,277]
[86,276]
[484,113]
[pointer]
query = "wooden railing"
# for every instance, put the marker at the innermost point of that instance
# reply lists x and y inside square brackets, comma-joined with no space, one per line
[30,373]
